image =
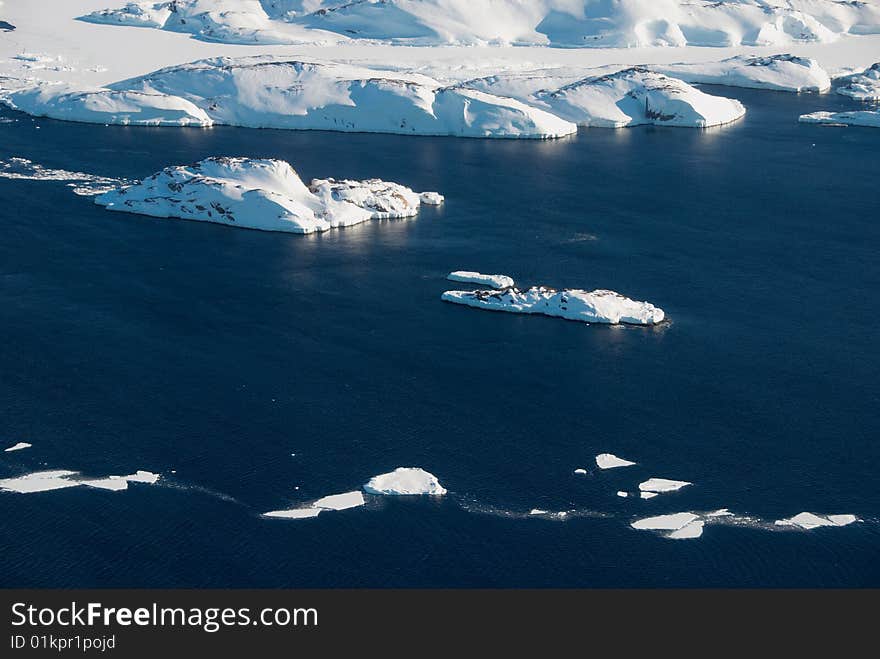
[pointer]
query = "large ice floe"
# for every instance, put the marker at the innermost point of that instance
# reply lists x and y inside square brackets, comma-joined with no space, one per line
[869,118]
[661,485]
[274,92]
[468,277]
[628,97]
[44,481]
[405,481]
[260,194]
[864,86]
[611,461]
[106,106]
[809,521]
[779,72]
[572,23]
[599,306]
[342,501]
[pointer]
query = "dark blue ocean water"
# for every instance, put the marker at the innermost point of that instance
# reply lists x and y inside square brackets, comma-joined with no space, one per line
[137,343]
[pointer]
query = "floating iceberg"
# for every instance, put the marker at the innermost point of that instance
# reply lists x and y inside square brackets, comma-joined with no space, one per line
[44,481]
[260,194]
[105,106]
[659,485]
[17,447]
[431,198]
[467,277]
[611,461]
[637,96]
[870,118]
[405,481]
[677,526]
[599,306]
[779,72]
[272,92]
[342,501]
[864,86]
[809,521]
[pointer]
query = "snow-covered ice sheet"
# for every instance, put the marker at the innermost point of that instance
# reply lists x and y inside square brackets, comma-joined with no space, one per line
[869,118]
[783,72]
[611,461]
[599,306]
[17,447]
[468,277]
[260,194]
[405,481]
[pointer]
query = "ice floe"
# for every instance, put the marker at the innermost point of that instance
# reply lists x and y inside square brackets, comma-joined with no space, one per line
[580,472]
[809,521]
[106,106]
[622,494]
[17,447]
[468,277]
[611,461]
[599,306]
[405,481]
[260,194]
[342,501]
[44,481]
[660,485]
[870,118]
[82,183]
[864,86]
[779,72]
[671,522]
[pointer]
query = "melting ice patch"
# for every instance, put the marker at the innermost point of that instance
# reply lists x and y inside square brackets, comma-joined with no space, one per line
[83,184]
[17,447]
[44,481]
[405,481]
[468,277]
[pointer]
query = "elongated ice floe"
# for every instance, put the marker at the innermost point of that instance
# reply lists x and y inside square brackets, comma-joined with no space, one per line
[611,461]
[273,92]
[468,277]
[44,481]
[599,306]
[105,106]
[778,72]
[869,118]
[864,86]
[405,481]
[342,501]
[83,184]
[659,485]
[637,96]
[17,447]
[809,521]
[260,194]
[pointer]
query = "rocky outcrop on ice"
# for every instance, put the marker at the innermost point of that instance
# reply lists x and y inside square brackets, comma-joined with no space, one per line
[870,118]
[405,481]
[578,23]
[779,72]
[260,194]
[44,481]
[106,106]
[468,277]
[272,92]
[599,306]
[864,86]
[342,501]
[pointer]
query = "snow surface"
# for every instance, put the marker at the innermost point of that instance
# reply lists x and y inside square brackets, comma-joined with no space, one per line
[578,23]
[260,194]
[779,72]
[611,461]
[431,198]
[17,447]
[405,481]
[688,531]
[342,501]
[864,86]
[468,277]
[44,481]
[870,118]
[671,522]
[809,521]
[599,306]
[658,485]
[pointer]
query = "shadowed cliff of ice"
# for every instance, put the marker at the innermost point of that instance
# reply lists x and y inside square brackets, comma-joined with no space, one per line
[45,481]
[273,92]
[864,86]
[104,106]
[405,481]
[611,461]
[572,23]
[869,118]
[778,72]
[260,194]
[599,306]
[468,277]
[17,447]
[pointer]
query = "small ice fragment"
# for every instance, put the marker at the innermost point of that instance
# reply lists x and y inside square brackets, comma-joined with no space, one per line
[537,511]
[610,461]
[580,471]
[431,198]
[17,447]
[623,494]
[647,495]
[721,512]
